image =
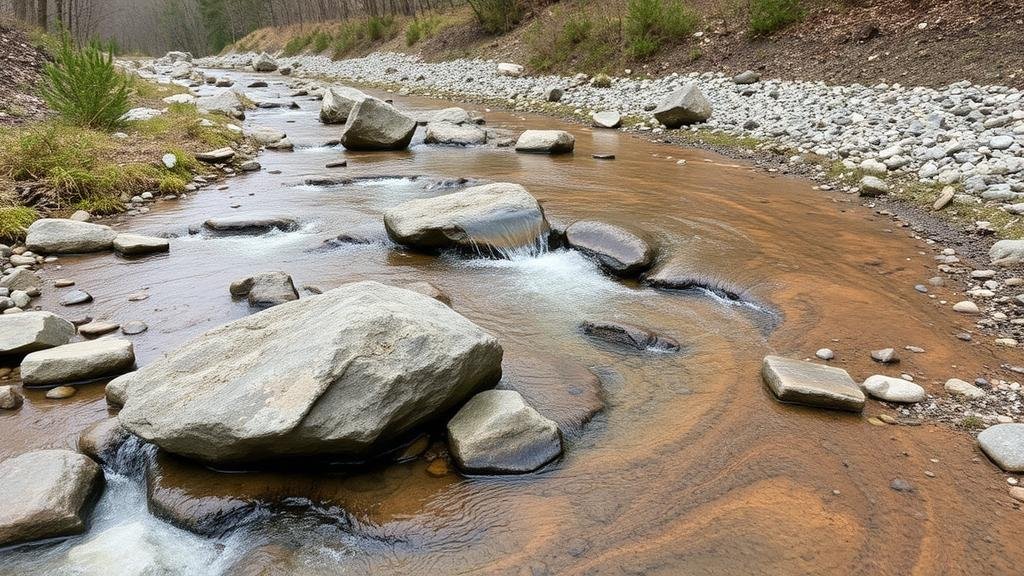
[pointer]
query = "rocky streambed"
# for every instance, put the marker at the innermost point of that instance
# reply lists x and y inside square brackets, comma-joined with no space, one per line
[627,335]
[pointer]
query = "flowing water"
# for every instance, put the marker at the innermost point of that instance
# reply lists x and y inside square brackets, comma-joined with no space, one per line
[690,466]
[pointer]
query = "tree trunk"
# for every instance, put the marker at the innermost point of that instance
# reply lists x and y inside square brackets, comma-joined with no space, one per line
[41,16]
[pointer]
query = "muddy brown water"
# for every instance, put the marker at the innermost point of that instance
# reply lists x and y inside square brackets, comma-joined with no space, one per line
[690,468]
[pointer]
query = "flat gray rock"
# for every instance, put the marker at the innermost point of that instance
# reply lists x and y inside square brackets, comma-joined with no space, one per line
[492,216]
[810,384]
[63,236]
[77,361]
[218,156]
[449,134]
[496,432]
[1004,444]
[546,142]
[135,244]
[344,373]
[47,493]
[251,224]
[619,251]
[31,331]
[893,389]
[75,297]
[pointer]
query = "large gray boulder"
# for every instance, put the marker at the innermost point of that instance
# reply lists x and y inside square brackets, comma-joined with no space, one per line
[342,374]
[376,125]
[1007,252]
[684,106]
[338,103]
[619,251]
[450,134]
[77,361]
[264,63]
[31,331]
[496,432]
[492,216]
[265,289]
[799,382]
[47,493]
[1004,444]
[546,142]
[62,236]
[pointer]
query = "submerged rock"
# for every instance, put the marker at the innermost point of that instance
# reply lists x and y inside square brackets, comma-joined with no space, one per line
[77,361]
[341,374]
[546,142]
[47,493]
[376,125]
[619,251]
[629,335]
[493,216]
[810,384]
[338,103]
[496,432]
[266,289]
[31,331]
[684,106]
[62,236]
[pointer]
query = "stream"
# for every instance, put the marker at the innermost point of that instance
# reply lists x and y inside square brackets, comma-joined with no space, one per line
[674,463]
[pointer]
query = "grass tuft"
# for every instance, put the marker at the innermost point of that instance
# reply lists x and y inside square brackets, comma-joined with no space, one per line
[767,16]
[14,220]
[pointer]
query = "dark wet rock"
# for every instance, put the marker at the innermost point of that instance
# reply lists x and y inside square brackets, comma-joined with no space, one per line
[77,361]
[102,440]
[31,331]
[251,224]
[492,216]
[449,134]
[348,396]
[799,382]
[347,240]
[257,84]
[546,142]
[496,432]
[684,106]
[338,103]
[619,251]
[62,236]
[265,289]
[428,289]
[678,274]
[375,125]
[631,336]
[75,297]
[217,156]
[338,164]
[603,156]
[1004,444]
[327,180]
[47,493]
[10,399]
[133,327]
[134,244]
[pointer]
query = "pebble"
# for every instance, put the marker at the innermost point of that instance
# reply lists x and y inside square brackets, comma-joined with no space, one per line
[133,327]
[966,307]
[93,329]
[63,283]
[61,392]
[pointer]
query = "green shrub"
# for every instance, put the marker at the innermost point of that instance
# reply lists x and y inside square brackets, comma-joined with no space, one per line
[767,16]
[297,44]
[579,42]
[14,220]
[321,40]
[497,16]
[651,23]
[421,28]
[85,87]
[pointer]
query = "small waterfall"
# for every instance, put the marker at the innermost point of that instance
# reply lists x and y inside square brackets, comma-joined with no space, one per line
[510,236]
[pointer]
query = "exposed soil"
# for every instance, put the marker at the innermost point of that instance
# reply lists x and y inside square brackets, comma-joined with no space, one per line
[21,64]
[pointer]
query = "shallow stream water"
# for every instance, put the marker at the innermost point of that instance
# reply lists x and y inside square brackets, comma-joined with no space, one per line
[690,467]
